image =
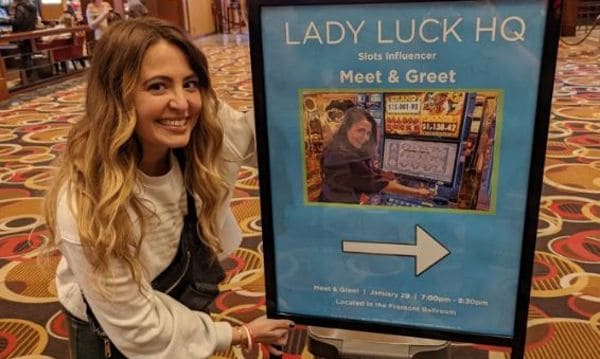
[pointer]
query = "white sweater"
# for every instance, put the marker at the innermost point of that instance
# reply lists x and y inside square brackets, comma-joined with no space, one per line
[154,325]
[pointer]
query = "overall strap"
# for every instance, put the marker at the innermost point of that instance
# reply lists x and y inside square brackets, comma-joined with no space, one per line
[192,216]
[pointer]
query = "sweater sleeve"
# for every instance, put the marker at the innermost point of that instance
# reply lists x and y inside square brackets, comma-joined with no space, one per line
[141,323]
[364,179]
[238,148]
[348,170]
[238,139]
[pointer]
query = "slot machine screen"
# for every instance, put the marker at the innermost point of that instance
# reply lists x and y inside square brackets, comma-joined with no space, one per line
[426,160]
[426,114]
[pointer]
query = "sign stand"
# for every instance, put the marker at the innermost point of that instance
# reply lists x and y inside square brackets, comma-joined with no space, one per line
[331,343]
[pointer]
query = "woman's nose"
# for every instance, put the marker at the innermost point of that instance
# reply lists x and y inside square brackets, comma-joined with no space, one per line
[179,101]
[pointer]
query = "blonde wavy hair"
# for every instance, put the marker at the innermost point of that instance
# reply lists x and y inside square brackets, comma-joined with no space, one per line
[97,171]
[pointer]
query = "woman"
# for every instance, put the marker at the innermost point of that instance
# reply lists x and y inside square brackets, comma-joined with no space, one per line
[153,133]
[346,164]
[98,14]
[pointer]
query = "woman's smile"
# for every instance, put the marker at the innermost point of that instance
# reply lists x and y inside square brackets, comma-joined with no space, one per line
[173,123]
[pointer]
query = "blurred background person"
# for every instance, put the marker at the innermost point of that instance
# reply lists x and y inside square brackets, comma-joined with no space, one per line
[68,9]
[137,9]
[25,19]
[244,11]
[75,6]
[98,14]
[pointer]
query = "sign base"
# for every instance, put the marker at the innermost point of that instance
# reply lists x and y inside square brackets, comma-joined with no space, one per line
[328,343]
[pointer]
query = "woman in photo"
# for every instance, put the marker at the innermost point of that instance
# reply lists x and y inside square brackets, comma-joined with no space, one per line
[139,208]
[347,163]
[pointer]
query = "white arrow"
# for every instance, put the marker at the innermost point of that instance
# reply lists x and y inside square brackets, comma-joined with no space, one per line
[427,250]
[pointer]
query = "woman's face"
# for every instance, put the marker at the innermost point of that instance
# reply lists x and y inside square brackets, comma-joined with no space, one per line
[359,133]
[167,100]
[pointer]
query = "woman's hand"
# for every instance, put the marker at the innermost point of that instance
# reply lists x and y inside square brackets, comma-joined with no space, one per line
[388,176]
[395,187]
[270,331]
[423,192]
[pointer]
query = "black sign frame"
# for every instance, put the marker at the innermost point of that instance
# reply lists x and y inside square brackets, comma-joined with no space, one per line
[542,115]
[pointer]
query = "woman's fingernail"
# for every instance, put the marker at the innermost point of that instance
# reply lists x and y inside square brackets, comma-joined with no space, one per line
[292,324]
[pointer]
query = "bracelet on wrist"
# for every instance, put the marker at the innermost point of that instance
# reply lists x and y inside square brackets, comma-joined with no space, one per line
[249,338]
[241,340]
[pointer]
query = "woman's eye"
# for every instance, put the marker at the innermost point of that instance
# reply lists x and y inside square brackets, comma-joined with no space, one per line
[192,84]
[157,87]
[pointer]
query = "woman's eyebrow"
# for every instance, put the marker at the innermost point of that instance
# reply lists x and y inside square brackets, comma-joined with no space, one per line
[191,76]
[158,77]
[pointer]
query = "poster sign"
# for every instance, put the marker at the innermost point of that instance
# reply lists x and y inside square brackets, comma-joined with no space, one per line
[400,150]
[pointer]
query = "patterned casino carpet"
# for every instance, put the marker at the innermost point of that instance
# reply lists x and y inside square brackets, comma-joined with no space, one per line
[564,316]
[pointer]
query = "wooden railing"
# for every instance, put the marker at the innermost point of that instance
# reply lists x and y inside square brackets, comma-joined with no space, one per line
[33,57]
[587,12]
[579,15]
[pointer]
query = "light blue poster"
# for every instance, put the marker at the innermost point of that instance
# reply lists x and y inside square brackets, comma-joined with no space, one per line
[400,139]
